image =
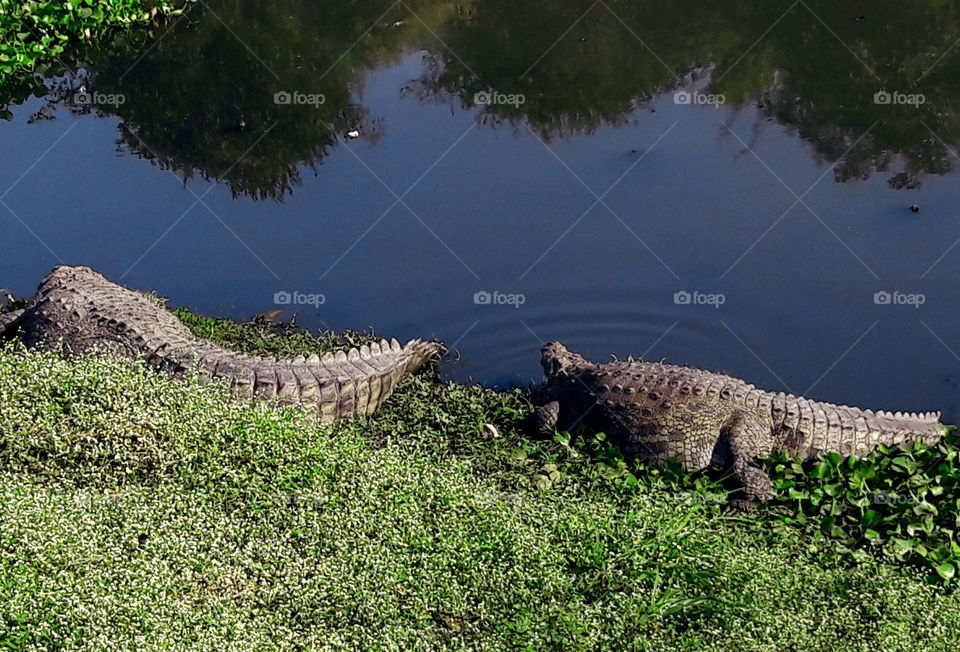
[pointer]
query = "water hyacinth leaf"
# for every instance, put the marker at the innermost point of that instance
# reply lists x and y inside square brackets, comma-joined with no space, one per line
[822,470]
[945,430]
[947,571]
[905,463]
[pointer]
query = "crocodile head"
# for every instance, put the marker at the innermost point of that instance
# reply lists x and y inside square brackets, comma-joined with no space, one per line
[556,359]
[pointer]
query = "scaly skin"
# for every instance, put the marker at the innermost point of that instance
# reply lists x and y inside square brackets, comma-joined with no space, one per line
[658,412]
[76,310]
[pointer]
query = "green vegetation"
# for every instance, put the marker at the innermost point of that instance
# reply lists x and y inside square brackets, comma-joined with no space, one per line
[902,501]
[142,512]
[262,336]
[35,32]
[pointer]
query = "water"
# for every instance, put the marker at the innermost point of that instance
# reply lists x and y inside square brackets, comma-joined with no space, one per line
[592,211]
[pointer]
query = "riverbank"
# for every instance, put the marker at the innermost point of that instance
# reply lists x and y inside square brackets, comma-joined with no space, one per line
[33,34]
[140,511]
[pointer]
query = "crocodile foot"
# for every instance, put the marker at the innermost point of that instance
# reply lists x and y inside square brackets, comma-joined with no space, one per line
[543,421]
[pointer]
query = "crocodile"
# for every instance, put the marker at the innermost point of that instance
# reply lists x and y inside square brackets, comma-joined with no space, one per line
[658,412]
[77,310]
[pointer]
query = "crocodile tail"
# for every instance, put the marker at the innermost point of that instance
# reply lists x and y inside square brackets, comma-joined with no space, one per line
[814,427]
[868,428]
[897,427]
[421,352]
[343,384]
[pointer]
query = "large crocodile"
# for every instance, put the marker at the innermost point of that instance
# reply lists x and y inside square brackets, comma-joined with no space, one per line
[658,412]
[76,310]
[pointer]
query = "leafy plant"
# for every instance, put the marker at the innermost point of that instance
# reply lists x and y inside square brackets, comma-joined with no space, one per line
[261,336]
[36,31]
[192,519]
[898,501]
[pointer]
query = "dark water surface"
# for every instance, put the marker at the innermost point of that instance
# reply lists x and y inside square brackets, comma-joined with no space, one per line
[592,211]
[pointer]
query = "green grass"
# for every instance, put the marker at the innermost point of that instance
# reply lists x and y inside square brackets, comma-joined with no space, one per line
[34,32]
[136,511]
[260,336]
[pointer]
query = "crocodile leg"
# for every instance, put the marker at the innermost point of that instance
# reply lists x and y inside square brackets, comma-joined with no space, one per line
[8,322]
[749,439]
[543,421]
